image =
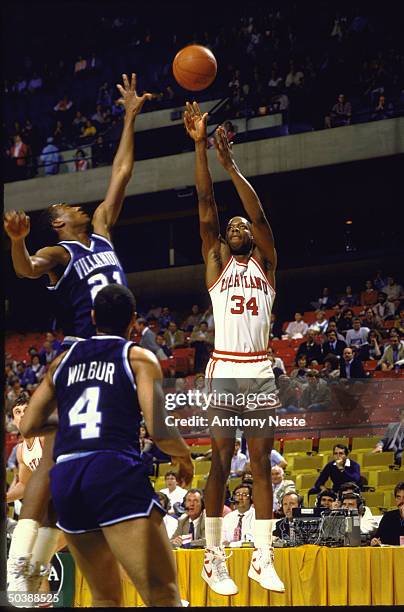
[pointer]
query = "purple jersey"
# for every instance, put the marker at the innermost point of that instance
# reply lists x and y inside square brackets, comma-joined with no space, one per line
[96,397]
[89,270]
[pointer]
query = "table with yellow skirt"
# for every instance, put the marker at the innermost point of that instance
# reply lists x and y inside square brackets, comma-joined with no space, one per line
[313,576]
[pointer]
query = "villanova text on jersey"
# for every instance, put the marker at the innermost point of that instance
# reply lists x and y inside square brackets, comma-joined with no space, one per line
[96,396]
[89,270]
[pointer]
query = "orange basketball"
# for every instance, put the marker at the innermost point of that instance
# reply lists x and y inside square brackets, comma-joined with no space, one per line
[194,67]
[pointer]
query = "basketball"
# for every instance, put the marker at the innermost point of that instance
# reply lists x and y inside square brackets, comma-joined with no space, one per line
[194,67]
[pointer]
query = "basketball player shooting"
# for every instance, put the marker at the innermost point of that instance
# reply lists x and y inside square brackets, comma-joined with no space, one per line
[81,263]
[240,277]
[104,500]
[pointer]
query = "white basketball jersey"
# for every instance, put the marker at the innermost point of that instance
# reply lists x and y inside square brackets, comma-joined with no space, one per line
[31,455]
[242,300]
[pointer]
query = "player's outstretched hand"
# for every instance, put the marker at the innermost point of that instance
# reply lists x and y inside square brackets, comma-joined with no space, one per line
[129,98]
[223,148]
[185,469]
[195,122]
[16,224]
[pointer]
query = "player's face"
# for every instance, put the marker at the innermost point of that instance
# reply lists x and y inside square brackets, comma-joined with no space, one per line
[72,215]
[18,413]
[239,236]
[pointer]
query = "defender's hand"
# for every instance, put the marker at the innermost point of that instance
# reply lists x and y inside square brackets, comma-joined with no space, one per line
[16,224]
[130,100]
[185,469]
[195,122]
[223,148]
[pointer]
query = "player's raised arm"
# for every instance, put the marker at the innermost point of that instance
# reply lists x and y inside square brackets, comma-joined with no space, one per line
[108,211]
[17,227]
[195,124]
[38,419]
[262,232]
[147,371]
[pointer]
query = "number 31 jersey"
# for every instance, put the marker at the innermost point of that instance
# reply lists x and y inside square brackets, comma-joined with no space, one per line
[242,300]
[88,271]
[96,396]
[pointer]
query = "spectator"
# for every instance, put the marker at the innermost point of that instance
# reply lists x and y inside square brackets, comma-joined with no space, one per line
[63,105]
[368,297]
[382,110]
[290,500]
[165,318]
[354,501]
[288,394]
[80,161]
[277,459]
[383,309]
[193,319]
[358,335]
[393,439]
[316,394]
[28,378]
[99,115]
[339,471]
[59,137]
[371,320]
[35,83]
[278,362]
[399,322]
[104,98]
[88,130]
[99,153]
[174,492]
[297,328]
[19,153]
[299,373]
[202,340]
[332,326]
[324,301]
[190,532]
[326,499]
[332,345]
[393,290]
[164,352]
[340,114]
[15,390]
[148,339]
[276,80]
[321,323]
[275,328]
[279,486]
[350,366]
[50,157]
[238,525]
[295,76]
[311,348]
[345,321]
[379,281]
[391,526]
[238,460]
[393,356]
[47,353]
[348,299]
[80,66]
[78,123]
[37,367]
[170,522]
[174,337]
[56,345]
[373,349]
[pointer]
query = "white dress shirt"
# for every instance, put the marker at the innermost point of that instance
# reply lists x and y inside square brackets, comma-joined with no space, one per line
[171,525]
[230,522]
[175,496]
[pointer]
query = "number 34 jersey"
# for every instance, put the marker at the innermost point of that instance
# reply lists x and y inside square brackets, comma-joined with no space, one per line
[88,271]
[96,395]
[242,300]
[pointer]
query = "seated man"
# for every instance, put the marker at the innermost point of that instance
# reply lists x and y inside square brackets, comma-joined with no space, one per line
[238,525]
[280,486]
[174,492]
[393,439]
[290,500]
[297,328]
[332,345]
[354,501]
[170,522]
[311,348]
[238,460]
[190,532]
[341,470]
[393,355]
[351,487]
[326,499]
[350,366]
[391,527]
[358,335]
[316,394]
[321,323]
[174,337]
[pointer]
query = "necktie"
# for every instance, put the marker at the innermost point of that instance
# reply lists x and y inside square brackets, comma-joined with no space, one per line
[192,529]
[237,531]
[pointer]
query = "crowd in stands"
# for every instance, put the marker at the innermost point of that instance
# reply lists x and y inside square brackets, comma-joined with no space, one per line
[319,69]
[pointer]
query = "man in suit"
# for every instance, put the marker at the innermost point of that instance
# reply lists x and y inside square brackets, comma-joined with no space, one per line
[311,348]
[393,439]
[333,345]
[350,366]
[190,532]
[391,527]
[148,339]
[393,353]
[174,337]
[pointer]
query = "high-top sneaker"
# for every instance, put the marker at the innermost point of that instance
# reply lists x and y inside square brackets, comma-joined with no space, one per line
[215,572]
[262,570]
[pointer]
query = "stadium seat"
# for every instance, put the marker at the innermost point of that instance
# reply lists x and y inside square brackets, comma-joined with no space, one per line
[163,468]
[305,481]
[233,483]
[199,448]
[370,365]
[374,499]
[364,443]
[184,360]
[297,446]
[377,460]
[326,445]
[386,479]
[304,463]
[389,499]
[201,468]
[160,483]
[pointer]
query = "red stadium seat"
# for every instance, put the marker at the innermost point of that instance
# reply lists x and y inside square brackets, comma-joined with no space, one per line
[184,360]
[370,365]
[388,324]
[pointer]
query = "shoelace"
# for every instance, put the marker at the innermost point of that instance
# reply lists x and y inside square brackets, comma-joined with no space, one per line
[219,561]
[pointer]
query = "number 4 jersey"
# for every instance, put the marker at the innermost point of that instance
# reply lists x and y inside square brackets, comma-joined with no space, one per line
[96,397]
[89,270]
[242,300]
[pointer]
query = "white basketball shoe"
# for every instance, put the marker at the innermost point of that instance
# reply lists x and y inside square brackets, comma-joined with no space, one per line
[215,572]
[262,570]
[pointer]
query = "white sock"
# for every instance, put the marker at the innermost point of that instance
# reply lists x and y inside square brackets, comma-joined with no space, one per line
[263,533]
[24,537]
[45,546]
[213,531]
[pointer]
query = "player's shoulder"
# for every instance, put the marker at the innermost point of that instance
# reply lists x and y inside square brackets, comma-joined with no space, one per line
[138,355]
[56,252]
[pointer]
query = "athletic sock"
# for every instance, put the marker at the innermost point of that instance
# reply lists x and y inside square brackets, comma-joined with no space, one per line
[213,531]
[263,533]
[24,537]
[45,546]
